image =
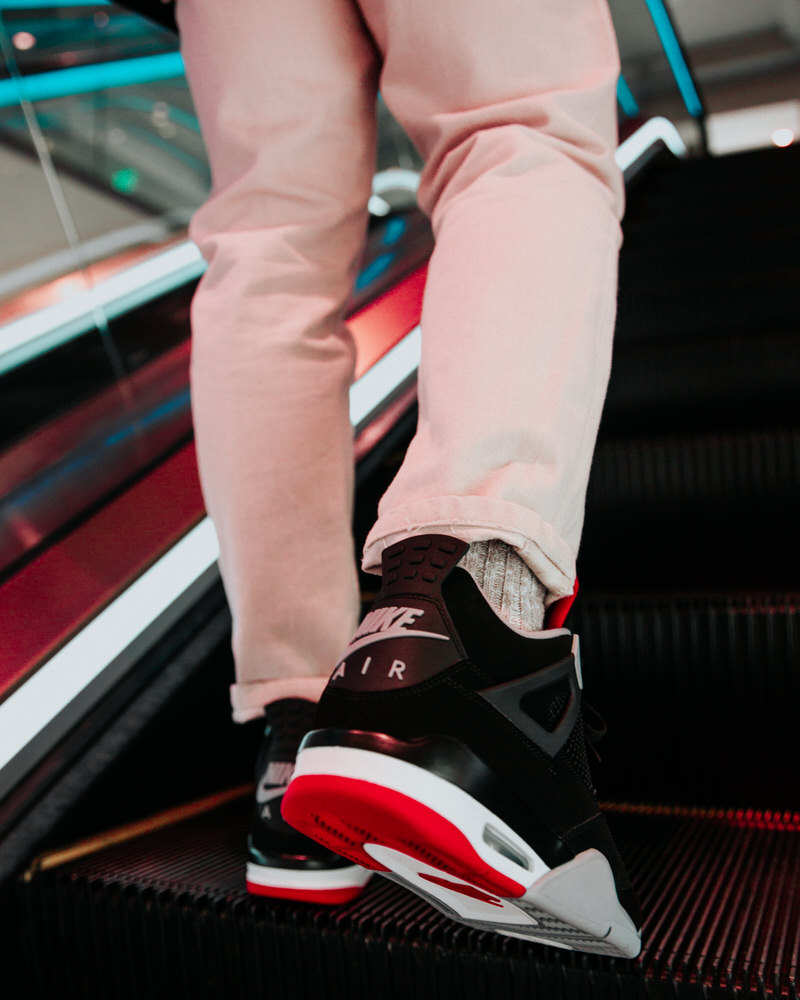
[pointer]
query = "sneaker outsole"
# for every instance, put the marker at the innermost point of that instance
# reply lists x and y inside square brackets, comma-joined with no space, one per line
[326,886]
[428,834]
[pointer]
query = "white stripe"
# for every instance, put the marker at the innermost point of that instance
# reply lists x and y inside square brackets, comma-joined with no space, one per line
[309,880]
[399,633]
[56,324]
[385,376]
[395,179]
[55,265]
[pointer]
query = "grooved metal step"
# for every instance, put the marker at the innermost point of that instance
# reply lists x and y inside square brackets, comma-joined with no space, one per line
[701,692]
[694,510]
[746,467]
[165,914]
[713,244]
[708,324]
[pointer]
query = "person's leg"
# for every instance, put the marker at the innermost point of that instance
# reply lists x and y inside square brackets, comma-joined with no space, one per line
[512,105]
[285,94]
[450,744]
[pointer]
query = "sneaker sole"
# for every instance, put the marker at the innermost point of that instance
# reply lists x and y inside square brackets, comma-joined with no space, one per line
[331,886]
[431,836]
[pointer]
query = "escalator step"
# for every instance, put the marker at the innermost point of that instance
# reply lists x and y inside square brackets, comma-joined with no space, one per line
[167,914]
[711,304]
[701,693]
[721,183]
[711,248]
[694,510]
[704,384]
[746,466]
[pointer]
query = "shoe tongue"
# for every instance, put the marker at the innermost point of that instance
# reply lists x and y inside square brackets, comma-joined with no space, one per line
[420,564]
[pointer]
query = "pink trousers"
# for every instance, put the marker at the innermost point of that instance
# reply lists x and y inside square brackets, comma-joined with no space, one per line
[512,105]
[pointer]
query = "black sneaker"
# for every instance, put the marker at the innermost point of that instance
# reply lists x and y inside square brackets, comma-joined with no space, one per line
[449,753]
[282,862]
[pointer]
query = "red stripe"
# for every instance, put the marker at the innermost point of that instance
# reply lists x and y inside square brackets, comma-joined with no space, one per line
[465,890]
[384,322]
[344,814]
[69,583]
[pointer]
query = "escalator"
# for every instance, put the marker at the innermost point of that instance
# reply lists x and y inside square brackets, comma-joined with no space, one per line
[690,625]
[123,812]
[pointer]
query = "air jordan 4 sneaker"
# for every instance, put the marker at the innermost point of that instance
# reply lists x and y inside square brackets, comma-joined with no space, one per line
[449,754]
[282,862]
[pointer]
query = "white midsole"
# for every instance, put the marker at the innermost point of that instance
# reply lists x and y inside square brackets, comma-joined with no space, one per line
[448,800]
[311,880]
[580,894]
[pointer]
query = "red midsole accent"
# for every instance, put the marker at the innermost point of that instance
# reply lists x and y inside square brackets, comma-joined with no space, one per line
[465,890]
[346,813]
[330,896]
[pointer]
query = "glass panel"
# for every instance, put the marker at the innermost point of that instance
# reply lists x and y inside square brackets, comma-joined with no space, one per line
[653,71]
[113,103]
[28,211]
[94,105]
[102,165]
[115,113]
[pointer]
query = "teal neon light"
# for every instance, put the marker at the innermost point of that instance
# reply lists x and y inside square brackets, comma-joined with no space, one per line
[672,49]
[625,98]
[40,4]
[88,79]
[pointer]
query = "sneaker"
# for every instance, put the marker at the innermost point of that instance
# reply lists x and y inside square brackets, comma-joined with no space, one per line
[282,862]
[449,754]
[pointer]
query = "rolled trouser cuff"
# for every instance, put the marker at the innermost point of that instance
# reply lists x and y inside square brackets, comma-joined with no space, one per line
[249,700]
[478,519]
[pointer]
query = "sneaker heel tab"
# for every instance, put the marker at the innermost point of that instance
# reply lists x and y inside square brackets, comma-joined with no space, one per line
[420,563]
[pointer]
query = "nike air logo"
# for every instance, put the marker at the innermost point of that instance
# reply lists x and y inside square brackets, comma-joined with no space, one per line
[367,666]
[389,623]
[265,798]
[273,784]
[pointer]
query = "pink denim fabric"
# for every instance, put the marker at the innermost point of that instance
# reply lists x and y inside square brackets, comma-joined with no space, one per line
[512,105]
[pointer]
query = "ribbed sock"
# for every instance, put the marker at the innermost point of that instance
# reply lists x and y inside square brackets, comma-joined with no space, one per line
[512,590]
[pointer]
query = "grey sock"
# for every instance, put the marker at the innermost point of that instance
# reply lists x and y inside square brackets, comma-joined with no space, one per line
[513,592]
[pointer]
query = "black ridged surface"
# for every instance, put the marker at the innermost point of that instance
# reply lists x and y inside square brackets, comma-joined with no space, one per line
[759,466]
[167,915]
[711,247]
[701,693]
[708,324]
[700,509]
